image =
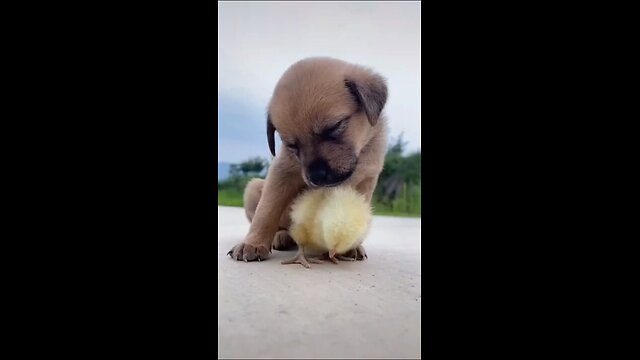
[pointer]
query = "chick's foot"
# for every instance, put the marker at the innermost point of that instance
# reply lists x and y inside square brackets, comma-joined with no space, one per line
[301,259]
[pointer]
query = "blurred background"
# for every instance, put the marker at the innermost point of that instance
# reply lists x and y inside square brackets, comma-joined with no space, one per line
[258,41]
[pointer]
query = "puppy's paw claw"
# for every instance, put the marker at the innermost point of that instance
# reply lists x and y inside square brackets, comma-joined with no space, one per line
[356,254]
[360,253]
[247,252]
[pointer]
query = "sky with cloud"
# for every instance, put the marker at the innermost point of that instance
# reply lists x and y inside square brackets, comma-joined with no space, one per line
[258,41]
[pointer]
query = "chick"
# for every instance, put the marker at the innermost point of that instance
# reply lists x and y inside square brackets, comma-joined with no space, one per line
[328,220]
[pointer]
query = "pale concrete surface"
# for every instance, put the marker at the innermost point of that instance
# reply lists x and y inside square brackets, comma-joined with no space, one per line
[364,309]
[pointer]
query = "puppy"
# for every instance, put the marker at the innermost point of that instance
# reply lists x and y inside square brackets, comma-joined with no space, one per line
[328,114]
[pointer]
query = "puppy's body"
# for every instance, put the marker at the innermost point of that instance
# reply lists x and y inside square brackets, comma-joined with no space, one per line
[328,115]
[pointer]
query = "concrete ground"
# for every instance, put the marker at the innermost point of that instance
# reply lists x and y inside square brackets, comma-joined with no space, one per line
[364,309]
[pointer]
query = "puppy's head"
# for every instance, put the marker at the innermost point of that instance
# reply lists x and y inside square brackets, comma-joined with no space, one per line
[325,111]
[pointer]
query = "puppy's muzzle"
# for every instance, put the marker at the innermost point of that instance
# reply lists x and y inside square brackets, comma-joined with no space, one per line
[321,175]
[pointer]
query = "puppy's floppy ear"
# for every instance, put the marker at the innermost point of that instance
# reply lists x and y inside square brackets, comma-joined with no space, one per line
[270,135]
[370,91]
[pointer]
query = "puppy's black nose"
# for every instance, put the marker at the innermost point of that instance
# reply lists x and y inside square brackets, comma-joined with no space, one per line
[319,173]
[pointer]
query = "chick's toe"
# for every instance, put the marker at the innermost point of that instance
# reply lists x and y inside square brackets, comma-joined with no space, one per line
[301,259]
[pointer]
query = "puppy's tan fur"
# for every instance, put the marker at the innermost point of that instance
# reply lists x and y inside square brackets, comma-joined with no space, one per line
[313,95]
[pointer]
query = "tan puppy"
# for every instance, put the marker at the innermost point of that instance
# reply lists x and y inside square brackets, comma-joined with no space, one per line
[328,114]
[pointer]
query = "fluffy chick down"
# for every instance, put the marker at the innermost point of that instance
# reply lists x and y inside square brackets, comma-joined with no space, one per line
[333,220]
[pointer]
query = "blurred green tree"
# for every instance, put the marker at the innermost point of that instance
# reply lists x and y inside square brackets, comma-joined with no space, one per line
[251,167]
[399,173]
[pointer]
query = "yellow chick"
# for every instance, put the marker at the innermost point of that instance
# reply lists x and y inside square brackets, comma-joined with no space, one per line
[329,220]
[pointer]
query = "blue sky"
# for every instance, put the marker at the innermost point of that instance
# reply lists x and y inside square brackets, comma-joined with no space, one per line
[258,41]
[242,130]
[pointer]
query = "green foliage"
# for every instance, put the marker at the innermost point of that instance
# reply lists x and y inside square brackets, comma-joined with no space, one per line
[230,197]
[406,204]
[249,168]
[230,191]
[399,184]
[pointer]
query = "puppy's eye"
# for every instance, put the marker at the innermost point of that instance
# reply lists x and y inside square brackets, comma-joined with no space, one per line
[336,130]
[294,148]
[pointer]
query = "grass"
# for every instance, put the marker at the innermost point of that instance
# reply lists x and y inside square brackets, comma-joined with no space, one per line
[407,205]
[230,197]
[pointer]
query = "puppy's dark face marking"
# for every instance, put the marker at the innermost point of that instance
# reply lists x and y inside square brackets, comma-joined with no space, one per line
[327,155]
[324,111]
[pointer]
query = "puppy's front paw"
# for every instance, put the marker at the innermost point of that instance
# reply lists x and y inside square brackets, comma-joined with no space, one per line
[248,252]
[282,241]
[356,254]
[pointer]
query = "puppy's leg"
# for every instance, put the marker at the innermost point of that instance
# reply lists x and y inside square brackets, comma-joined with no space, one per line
[252,194]
[283,183]
[282,240]
[367,186]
